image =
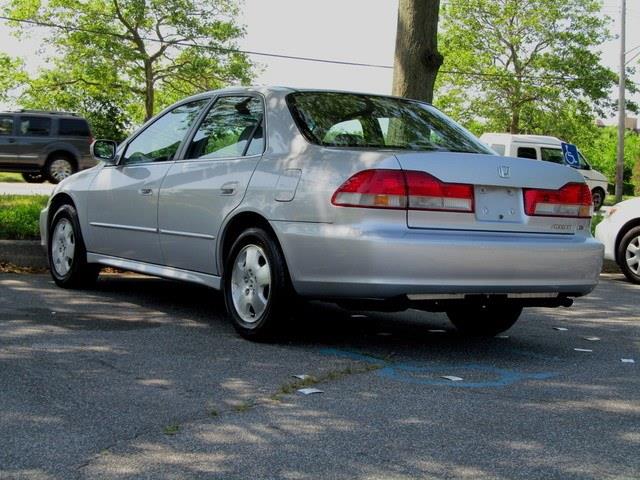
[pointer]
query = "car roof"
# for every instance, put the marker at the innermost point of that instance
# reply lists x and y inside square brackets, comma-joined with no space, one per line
[43,113]
[520,138]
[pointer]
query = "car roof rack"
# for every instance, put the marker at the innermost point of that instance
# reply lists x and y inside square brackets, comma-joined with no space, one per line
[44,112]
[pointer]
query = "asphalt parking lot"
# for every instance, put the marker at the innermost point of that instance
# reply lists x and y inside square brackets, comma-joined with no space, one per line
[143,378]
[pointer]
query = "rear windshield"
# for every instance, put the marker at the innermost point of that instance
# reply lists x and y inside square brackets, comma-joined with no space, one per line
[334,119]
[73,127]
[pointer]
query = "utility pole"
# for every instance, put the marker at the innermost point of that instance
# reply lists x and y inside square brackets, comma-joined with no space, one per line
[621,105]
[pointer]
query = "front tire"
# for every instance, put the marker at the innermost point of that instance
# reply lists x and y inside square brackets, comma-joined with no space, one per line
[33,177]
[67,253]
[484,320]
[629,255]
[256,285]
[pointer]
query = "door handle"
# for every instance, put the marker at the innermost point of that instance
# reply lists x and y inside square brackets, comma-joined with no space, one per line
[145,191]
[229,188]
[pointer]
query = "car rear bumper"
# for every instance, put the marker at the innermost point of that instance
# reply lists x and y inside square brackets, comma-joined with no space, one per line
[338,261]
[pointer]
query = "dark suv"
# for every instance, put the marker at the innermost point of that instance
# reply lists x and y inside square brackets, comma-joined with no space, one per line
[44,145]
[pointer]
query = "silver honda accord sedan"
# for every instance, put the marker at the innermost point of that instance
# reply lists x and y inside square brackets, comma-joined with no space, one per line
[372,202]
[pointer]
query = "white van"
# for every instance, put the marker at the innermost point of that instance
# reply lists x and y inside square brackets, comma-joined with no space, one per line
[540,147]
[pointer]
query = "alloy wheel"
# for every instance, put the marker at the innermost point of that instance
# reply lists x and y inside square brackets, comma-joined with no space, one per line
[250,283]
[63,247]
[632,255]
[60,169]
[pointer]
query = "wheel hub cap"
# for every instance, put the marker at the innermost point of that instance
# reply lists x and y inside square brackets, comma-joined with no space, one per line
[632,255]
[63,247]
[60,169]
[250,283]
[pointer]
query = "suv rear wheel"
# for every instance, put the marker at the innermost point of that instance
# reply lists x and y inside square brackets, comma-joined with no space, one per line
[484,320]
[58,168]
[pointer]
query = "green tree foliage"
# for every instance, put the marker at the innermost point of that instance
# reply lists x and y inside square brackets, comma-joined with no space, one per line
[134,56]
[11,75]
[529,60]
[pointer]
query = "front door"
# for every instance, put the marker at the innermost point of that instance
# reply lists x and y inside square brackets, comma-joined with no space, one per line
[203,188]
[123,199]
[8,143]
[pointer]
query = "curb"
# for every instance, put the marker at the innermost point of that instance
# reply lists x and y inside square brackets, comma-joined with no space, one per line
[23,253]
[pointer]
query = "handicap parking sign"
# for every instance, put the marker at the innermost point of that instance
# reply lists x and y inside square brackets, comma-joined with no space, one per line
[570,153]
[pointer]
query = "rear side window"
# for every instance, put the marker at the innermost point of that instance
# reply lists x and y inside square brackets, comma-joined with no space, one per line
[232,128]
[35,126]
[72,127]
[552,155]
[527,152]
[6,126]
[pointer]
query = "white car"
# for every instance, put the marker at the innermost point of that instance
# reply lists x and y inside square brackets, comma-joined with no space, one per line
[620,233]
[549,149]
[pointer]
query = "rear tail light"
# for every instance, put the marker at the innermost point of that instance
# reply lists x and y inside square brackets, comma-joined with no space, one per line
[401,190]
[91,139]
[572,200]
[428,193]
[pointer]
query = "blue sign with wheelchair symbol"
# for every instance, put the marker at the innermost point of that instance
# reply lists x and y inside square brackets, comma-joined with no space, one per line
[571,156]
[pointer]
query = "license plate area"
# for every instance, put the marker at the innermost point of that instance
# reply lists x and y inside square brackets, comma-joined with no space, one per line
[499,204]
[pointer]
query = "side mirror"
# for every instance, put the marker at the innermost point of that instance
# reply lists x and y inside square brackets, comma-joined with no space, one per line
[104,150]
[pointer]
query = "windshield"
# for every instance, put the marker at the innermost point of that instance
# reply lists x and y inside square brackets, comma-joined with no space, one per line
[335,119]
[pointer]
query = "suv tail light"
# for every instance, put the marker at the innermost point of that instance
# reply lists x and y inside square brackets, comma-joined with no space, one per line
[572,200]
[398,189]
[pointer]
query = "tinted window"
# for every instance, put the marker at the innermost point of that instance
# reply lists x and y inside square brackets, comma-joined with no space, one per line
[73,127]
[527,152]
[160,140]
[232,128]
[552,155]
[6,126]
[35,126]
[336,119]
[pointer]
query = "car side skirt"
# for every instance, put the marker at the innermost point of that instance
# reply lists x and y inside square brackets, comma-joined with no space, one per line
[171,273]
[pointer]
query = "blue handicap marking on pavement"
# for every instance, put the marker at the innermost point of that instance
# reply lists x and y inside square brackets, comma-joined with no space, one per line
[418,373]
[570,153]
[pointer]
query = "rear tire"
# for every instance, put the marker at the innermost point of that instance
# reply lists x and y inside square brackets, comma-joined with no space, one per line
[598,196]
[59,167]
[484,320]
[33,177]
[629,255]
[67,253]
[257,290]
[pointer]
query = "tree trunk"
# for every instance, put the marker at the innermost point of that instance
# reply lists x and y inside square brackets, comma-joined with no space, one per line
[417,59]
[514,127]
[149,98]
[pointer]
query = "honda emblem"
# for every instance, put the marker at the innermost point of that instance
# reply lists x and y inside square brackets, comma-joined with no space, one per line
[504,171]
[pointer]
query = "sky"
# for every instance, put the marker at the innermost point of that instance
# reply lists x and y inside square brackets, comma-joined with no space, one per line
[360,31]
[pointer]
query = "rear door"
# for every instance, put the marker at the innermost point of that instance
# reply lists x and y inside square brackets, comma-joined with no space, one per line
[210,181]
[34,134]
[8,143]
[123,198]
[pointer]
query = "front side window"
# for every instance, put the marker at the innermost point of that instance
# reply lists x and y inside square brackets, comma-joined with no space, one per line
[552,155]
[232,128]
[160,141]
[527,152]
[6,126]
[72,127]
[35,126]
[335,119]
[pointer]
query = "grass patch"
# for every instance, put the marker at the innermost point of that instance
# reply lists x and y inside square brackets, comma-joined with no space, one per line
[595,220]
[610,200]
[19,216]
[11,177]
[172,429]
